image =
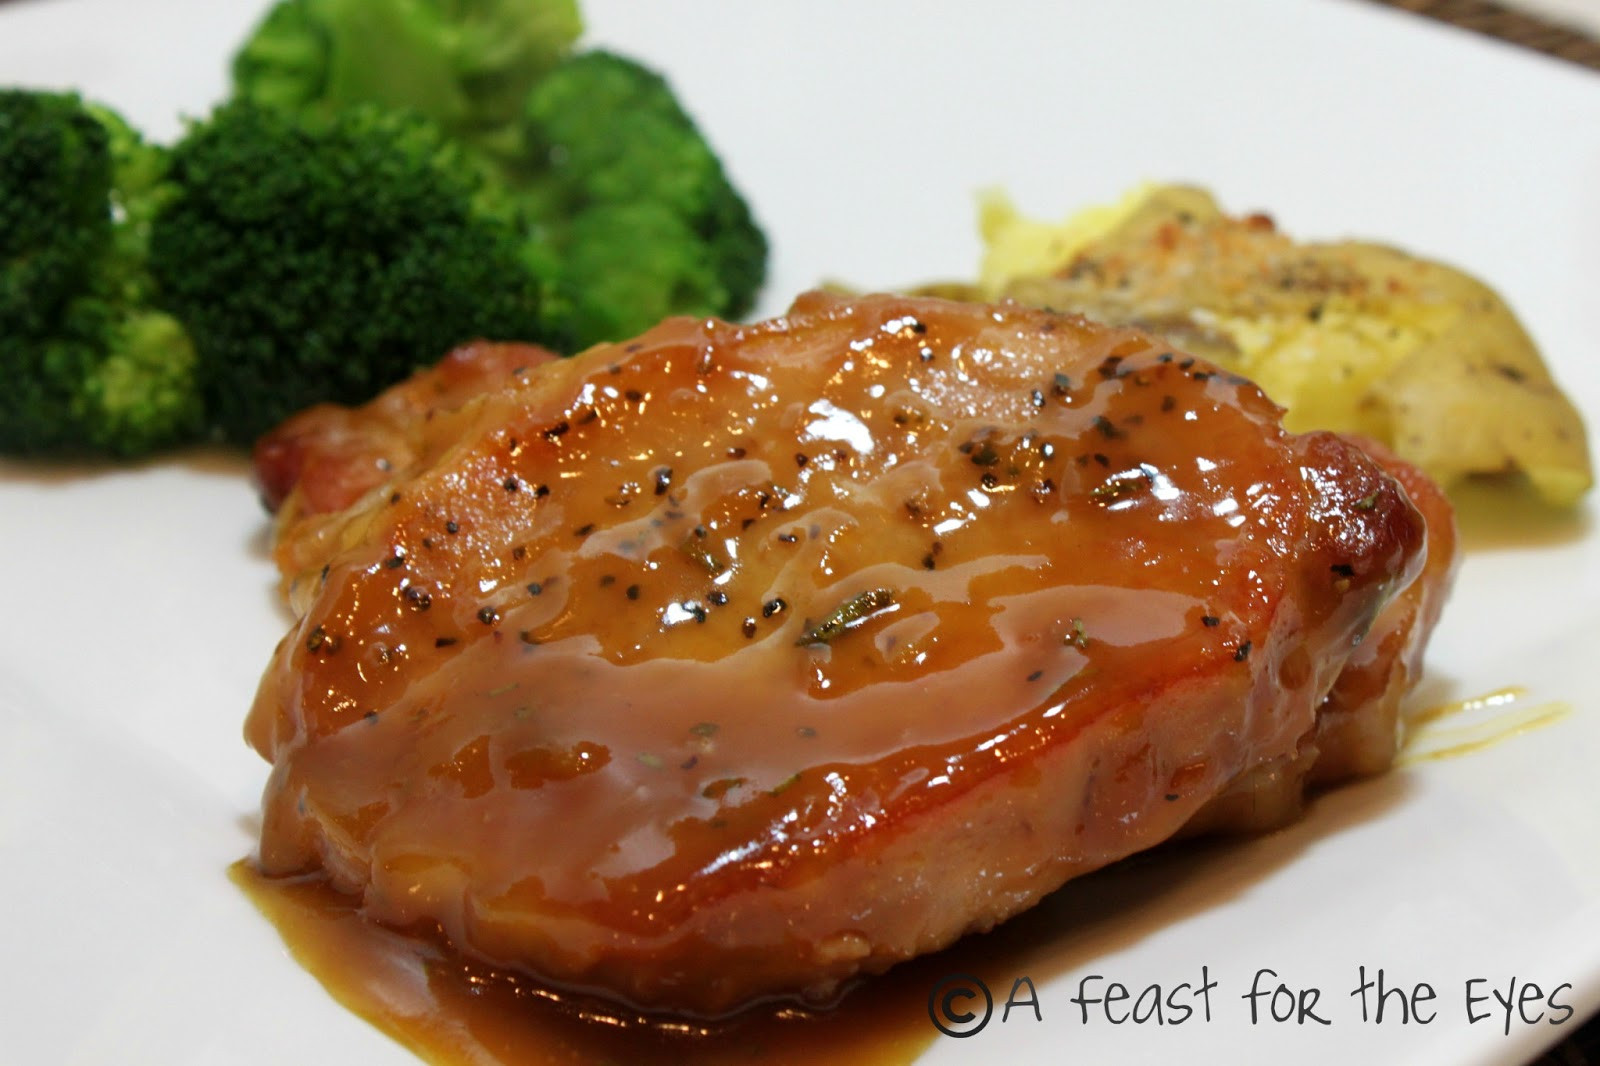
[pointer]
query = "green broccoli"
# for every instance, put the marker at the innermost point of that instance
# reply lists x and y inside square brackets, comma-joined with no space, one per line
[323,264]
[604,159]
[89,365]
[466,64]
[393,178]
[55,182]
[643,217]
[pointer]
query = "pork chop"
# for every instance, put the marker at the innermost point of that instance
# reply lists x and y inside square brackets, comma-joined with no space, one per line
[737,661]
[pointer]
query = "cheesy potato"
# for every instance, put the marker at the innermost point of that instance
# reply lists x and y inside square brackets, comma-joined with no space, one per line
[1349,336]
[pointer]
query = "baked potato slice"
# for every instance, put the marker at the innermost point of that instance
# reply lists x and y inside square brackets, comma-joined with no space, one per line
[1347,335]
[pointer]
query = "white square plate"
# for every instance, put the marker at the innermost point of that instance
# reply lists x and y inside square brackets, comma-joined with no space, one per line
[140,604]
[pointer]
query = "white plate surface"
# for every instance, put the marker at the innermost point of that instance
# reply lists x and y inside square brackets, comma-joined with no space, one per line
[140,608]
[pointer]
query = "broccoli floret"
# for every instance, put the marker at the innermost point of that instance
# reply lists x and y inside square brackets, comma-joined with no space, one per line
[89,365]
[644,218]
[323,264]
[466,64]
[610,168]
[144,394]
[395,177]
[55,181]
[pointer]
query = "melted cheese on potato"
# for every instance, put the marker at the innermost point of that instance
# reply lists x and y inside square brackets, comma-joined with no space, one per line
[1350,336]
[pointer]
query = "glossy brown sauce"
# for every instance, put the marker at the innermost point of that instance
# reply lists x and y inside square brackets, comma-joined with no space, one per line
[1504,513]
[563,688]
[1484,721]
[451,1012]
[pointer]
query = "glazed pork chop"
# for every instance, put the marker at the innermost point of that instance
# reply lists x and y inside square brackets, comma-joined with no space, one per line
[737,661]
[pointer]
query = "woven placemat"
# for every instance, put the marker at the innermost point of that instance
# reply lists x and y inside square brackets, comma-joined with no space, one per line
[1517,27]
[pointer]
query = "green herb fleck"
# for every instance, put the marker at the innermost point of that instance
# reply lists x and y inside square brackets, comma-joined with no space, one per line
[1120,487]
[847,616]
[700,556]
[721,787]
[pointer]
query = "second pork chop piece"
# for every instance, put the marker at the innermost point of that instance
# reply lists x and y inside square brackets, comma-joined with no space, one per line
[735,661]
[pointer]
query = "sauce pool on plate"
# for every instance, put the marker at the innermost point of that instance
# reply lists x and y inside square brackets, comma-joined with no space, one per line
[452,1012]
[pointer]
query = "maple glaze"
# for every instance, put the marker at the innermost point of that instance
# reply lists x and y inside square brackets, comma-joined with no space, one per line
[452,1012]
[738,660]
